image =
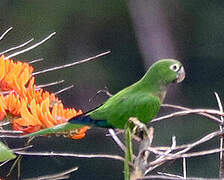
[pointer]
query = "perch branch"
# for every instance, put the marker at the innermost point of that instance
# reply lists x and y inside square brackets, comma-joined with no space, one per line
[116,157]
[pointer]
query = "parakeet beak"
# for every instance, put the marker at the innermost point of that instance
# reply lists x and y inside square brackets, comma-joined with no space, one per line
[180,75]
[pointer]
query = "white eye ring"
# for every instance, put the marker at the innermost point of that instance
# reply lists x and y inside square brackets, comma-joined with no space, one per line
[174,67]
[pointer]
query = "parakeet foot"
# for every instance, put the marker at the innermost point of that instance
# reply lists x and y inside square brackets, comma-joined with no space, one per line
[139,128]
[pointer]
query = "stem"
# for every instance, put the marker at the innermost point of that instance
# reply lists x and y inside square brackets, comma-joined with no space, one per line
[128,152]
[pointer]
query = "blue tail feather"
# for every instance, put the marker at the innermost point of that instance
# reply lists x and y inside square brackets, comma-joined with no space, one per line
[88,121]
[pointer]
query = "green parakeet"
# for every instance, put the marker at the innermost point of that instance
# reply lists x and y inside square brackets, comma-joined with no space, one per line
[141,100]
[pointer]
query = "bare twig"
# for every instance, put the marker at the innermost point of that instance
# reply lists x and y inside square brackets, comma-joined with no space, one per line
[3,35]
[64,89]
[55,176]
[22,149]
[2,164]
[194,154]
[17,47]
[105,90]
[193,111]
[107,156]
[36,60]
[10,136]
[152,165]
[184,168]
[221,164]
[188,109]
[4,123]
[174,178]
[116,139]
[10,132]
[71,64]
[31,47]
[159,161]
[170,175]
[50,84]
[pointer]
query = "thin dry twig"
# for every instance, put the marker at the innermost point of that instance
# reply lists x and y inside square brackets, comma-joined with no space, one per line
[31,47]
[192,111]
[184,168]
[174,178]
[64,89]
[159,161]
[10,131]
[117,140]
[108,156]
[71,64]
[4,34]
[169,175]
[221,164]
[60,175]
[50,84]
[36,60]
[10,136]
[105,90]
[188,109]
[22,149]
[2,164]
[17,47]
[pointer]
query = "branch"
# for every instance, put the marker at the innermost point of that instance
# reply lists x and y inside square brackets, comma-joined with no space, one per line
[3,35]
[17,47]
[180,154]
[188,109]
[31,47]
[71,64]
[61,175]
[117,140]
[174,178]
[116,157]
[193,111]
[64,89]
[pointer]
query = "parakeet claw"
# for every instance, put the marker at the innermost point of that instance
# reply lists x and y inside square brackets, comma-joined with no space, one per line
[139,127]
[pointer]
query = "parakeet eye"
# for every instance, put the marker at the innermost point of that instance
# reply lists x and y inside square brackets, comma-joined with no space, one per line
[174,67]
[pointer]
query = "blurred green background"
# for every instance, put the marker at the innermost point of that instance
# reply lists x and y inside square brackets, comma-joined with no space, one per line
[138,32]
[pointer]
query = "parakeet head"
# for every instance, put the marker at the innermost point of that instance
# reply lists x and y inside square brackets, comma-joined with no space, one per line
[166,71]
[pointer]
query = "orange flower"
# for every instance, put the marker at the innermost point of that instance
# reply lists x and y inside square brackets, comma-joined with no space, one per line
[41,116]
[40,95]
[2,107]
[33,109]
[13,103]
[14,75]
[81,133]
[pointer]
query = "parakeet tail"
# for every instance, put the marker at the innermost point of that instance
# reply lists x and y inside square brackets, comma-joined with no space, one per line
[88,121]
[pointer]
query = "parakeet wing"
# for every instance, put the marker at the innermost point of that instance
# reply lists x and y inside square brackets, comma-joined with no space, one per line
[118,109]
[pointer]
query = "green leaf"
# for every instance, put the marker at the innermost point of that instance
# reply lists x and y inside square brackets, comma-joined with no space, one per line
[5,153]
